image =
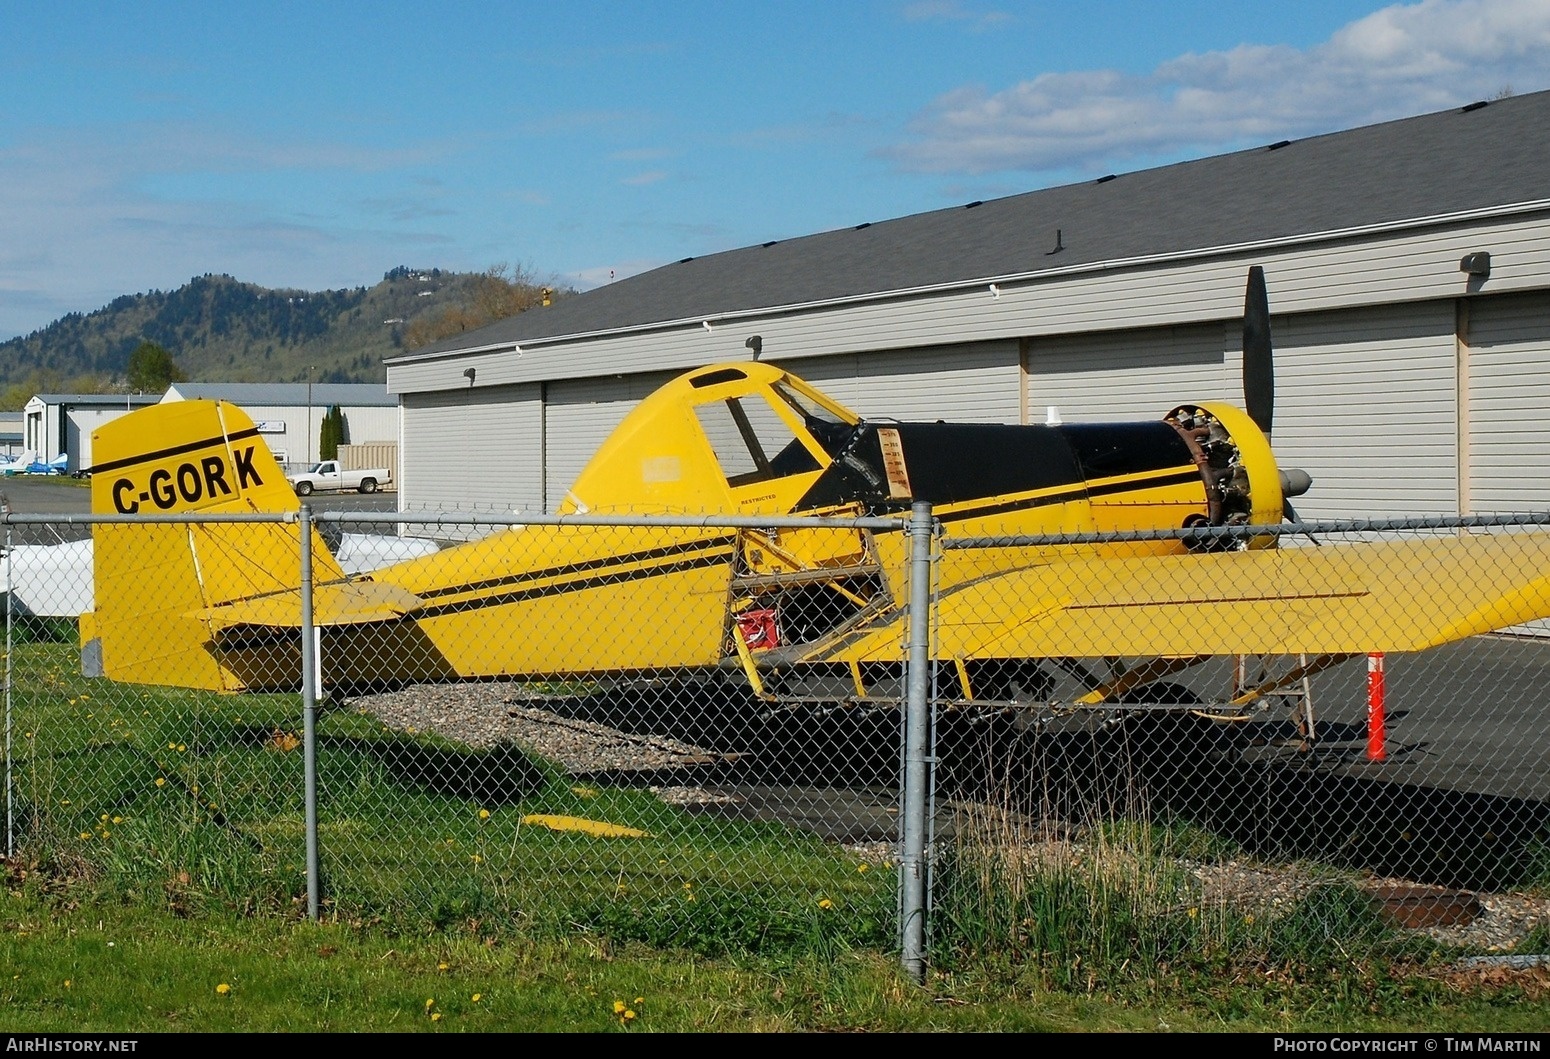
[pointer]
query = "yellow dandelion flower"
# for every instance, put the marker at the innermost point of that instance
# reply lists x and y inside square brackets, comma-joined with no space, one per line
[430,1002]
[435,1016]
[826,903]
[439,967]
[222,989]
[1249,919]
[85,834]
[477,859]
[863,867]
[627,1016]
[619,1007]
[118,819]
[172,746]
[477,997]
[181,748]
[104,816]
[1194,913]
[161,781]
[67,983]
[484,814]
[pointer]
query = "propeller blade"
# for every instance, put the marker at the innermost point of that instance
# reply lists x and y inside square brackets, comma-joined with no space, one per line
[1258,373]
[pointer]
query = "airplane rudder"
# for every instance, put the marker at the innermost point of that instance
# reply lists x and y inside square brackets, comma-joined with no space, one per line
[186,456]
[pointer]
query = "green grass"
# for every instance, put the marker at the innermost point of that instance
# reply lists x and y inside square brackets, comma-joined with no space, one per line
[107,967]
[169,824]
[192,801]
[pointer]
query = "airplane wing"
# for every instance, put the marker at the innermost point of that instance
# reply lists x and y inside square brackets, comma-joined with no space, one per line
[1338,599]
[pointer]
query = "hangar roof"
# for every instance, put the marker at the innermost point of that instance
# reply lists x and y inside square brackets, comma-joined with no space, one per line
[285,394]
[1469,158]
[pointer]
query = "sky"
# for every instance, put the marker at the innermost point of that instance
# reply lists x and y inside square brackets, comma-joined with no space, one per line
[318,145]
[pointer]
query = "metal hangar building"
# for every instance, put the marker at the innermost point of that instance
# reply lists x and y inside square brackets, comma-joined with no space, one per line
[1408,265]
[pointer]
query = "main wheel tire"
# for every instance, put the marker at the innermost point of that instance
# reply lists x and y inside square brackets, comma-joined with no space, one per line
[303,488]
[368,485]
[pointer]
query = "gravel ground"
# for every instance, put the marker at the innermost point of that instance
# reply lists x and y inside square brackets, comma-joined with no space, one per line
[482,715]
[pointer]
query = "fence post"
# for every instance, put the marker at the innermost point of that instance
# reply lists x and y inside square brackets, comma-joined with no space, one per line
[309,705]
[917,759]
[10,590]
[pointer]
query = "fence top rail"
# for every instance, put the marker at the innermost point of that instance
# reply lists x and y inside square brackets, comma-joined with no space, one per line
[456,519]
[1284,529]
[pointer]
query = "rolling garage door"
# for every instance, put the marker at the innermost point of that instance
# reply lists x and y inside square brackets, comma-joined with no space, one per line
[579,414]
[1509,403]
[476,451]
[974,383]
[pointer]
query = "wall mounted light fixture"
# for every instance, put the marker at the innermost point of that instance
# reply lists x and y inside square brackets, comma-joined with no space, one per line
[1477,263]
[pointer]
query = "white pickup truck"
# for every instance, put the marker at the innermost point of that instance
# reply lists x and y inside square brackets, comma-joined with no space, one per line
[329,476]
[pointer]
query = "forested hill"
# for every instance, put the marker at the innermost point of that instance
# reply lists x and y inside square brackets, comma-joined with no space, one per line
[219,329]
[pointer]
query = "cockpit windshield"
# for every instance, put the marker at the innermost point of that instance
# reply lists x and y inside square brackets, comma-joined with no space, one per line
[828,428]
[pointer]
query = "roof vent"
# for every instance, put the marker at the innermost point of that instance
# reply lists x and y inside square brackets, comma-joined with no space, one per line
[1467,107]
[863,224]
[771,243]
[1278,145]
[1104,179]
[685,260]
[971,205]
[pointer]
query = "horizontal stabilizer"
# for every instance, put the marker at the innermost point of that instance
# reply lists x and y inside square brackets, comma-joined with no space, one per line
[339,603]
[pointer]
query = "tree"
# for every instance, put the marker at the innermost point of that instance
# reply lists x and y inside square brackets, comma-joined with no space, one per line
[498,292]
[333,433]
[152,369]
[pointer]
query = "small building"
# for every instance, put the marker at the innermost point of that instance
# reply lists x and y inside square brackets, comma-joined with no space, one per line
[289,415]
[10,433]
[55,423]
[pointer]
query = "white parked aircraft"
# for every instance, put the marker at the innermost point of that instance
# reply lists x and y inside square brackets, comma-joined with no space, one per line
[19,463]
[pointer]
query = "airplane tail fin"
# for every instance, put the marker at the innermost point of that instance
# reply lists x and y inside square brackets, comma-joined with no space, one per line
[156,584]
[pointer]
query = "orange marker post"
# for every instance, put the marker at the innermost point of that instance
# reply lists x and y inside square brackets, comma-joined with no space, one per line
[1377,734]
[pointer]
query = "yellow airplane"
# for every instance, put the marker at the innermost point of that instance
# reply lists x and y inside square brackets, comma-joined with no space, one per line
[217,605]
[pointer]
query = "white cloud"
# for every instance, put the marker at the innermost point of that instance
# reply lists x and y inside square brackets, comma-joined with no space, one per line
[1405,59]
[651,176]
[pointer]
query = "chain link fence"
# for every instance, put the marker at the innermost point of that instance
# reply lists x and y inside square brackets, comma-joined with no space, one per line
[760,735]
